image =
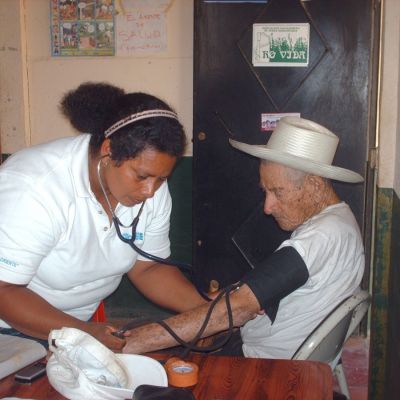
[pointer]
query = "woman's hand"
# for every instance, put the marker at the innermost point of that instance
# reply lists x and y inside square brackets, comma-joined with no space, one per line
[29,313]
[103,333]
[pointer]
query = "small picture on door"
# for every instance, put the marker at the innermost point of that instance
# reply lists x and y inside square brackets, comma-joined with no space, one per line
[281,45]
[269,121]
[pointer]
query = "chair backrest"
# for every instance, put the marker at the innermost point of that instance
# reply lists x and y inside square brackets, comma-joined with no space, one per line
[326,342]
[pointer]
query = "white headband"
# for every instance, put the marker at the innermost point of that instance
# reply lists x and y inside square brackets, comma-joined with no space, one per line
[137,117]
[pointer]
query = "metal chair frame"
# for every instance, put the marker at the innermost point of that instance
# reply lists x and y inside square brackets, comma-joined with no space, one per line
[326,342]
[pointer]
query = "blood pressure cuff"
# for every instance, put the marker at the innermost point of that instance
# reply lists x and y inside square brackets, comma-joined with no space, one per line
[275,277]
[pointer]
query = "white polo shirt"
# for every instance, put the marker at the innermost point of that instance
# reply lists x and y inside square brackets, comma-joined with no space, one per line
[55,236]
[330,245]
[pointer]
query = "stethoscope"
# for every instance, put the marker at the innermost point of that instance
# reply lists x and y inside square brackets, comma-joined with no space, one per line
[131,241]
[189,346]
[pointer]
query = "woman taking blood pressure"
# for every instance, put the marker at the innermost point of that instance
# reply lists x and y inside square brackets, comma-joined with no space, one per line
[60,251]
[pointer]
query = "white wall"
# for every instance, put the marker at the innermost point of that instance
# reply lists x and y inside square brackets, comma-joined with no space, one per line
[31,84]
[168,75]
[12,77]
[389,142]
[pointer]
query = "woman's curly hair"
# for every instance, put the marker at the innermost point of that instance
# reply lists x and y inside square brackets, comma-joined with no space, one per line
[94,107]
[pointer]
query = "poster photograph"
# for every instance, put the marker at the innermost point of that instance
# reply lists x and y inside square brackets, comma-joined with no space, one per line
[281,45]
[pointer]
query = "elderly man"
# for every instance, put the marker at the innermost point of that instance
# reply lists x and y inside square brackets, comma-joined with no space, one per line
[279,303]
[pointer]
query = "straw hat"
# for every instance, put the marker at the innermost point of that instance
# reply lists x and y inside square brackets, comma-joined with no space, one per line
[303,145]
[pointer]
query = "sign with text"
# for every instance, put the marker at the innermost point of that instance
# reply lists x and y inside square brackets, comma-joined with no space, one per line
[281,45]
[142,27]
[141,31]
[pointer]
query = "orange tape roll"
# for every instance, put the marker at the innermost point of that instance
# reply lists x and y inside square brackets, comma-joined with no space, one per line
[181,373]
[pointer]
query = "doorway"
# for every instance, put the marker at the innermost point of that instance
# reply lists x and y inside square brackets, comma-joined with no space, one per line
[337,88]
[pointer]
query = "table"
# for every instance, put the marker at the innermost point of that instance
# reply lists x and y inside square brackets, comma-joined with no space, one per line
[224,378]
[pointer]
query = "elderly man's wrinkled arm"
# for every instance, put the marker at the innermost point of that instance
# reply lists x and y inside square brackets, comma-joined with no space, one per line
[153,337]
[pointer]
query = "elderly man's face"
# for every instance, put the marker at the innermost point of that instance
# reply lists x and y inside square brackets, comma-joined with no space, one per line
[288,198]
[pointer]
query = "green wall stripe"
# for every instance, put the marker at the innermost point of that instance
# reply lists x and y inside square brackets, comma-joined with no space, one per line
[380,290]
[180,186]
[385,329]
[4,156]
[392,382]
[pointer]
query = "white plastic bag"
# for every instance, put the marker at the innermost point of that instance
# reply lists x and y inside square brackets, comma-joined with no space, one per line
[83,368]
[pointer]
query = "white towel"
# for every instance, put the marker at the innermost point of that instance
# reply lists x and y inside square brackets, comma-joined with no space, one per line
[17,353]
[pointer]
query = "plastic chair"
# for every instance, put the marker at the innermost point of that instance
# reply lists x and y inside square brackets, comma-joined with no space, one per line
[326,342]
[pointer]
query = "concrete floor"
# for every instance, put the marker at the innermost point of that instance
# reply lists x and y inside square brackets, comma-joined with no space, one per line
[355,358]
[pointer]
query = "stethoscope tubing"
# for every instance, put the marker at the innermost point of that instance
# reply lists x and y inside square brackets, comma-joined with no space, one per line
[131,240]
[149,256]
[189,346]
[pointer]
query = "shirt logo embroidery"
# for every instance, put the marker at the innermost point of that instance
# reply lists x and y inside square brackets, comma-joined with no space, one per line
[9,262]
[139,235]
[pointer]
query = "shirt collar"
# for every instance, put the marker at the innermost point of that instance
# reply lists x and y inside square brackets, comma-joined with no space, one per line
[80,166]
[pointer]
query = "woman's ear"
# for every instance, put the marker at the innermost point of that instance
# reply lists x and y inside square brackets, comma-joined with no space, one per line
[105,149]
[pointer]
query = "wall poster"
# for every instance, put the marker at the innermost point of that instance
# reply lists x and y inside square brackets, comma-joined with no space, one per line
[82,28]
[281,45]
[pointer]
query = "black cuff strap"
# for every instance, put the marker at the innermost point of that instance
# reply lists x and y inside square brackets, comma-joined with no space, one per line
[203,295]
[275,277]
